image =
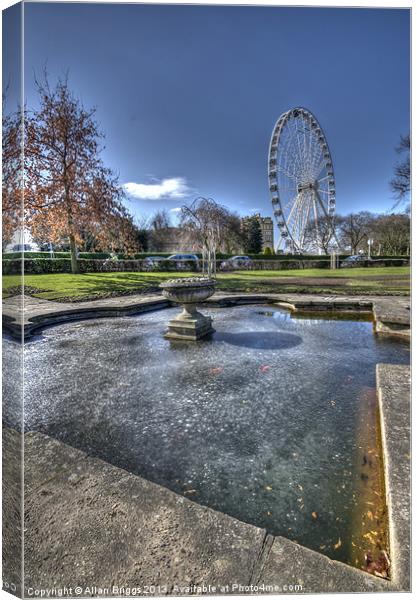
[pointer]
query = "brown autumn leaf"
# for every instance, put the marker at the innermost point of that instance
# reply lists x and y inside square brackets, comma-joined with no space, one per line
[71,194]
[314,514]
[338,544]
[216,370]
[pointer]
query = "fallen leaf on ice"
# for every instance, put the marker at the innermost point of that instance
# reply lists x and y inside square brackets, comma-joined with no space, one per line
[216,370]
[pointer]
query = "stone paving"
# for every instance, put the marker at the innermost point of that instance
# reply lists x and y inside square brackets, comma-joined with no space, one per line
[88,523]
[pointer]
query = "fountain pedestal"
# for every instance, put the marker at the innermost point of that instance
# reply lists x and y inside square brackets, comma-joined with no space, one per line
[190,324]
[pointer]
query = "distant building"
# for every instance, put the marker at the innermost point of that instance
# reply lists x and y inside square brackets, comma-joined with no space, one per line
[267,228]
[168,239]
[22,241]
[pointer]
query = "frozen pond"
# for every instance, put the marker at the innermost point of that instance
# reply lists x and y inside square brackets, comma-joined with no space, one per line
[265,421]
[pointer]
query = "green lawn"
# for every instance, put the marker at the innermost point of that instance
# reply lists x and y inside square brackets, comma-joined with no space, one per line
[64,286]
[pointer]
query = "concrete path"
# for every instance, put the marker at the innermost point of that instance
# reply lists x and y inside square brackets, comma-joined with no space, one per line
[92,525]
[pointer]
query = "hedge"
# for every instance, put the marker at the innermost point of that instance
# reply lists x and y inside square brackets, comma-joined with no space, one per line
[142,255]
[37,266]
[63,265]
[18,255]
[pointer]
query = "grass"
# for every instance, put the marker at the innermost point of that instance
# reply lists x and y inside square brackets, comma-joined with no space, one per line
[353,281]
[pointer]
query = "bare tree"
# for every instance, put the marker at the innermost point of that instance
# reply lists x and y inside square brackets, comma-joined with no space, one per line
[401,182]
[206,224]
[160,229]
[355,229]
[392,232]
[321,234]
[160,220]
[234,236]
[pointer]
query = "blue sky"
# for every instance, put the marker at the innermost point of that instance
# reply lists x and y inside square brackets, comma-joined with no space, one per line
[188,95]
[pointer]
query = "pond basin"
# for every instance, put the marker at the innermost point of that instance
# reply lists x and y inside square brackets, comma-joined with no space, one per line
[272,420]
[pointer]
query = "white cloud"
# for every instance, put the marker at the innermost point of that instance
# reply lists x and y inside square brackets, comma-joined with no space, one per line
[177,209]
[175,187]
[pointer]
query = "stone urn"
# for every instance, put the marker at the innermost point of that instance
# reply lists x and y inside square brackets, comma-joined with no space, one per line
[189,291]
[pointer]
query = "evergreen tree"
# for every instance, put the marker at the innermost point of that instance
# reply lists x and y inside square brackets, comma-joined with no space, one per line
[253,236]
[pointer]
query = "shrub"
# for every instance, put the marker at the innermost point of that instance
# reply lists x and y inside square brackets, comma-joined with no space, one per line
[17,255]
[94,255]
[35,266]
[38,266]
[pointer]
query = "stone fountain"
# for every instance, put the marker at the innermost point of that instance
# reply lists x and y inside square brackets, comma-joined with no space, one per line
[189,291]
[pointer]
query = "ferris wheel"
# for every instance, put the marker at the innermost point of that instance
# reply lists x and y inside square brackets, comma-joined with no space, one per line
[301,181]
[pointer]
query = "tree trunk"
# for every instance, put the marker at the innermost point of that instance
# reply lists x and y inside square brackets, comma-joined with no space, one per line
[73,247]
[74,260]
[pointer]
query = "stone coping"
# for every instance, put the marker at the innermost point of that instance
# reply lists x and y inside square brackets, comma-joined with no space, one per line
[394,395]
[91,521]
[391,313]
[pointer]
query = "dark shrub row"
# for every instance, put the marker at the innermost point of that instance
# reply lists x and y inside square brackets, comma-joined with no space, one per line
[142,255]
[63,265]
[91,255]
[282,265]
[37,266]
